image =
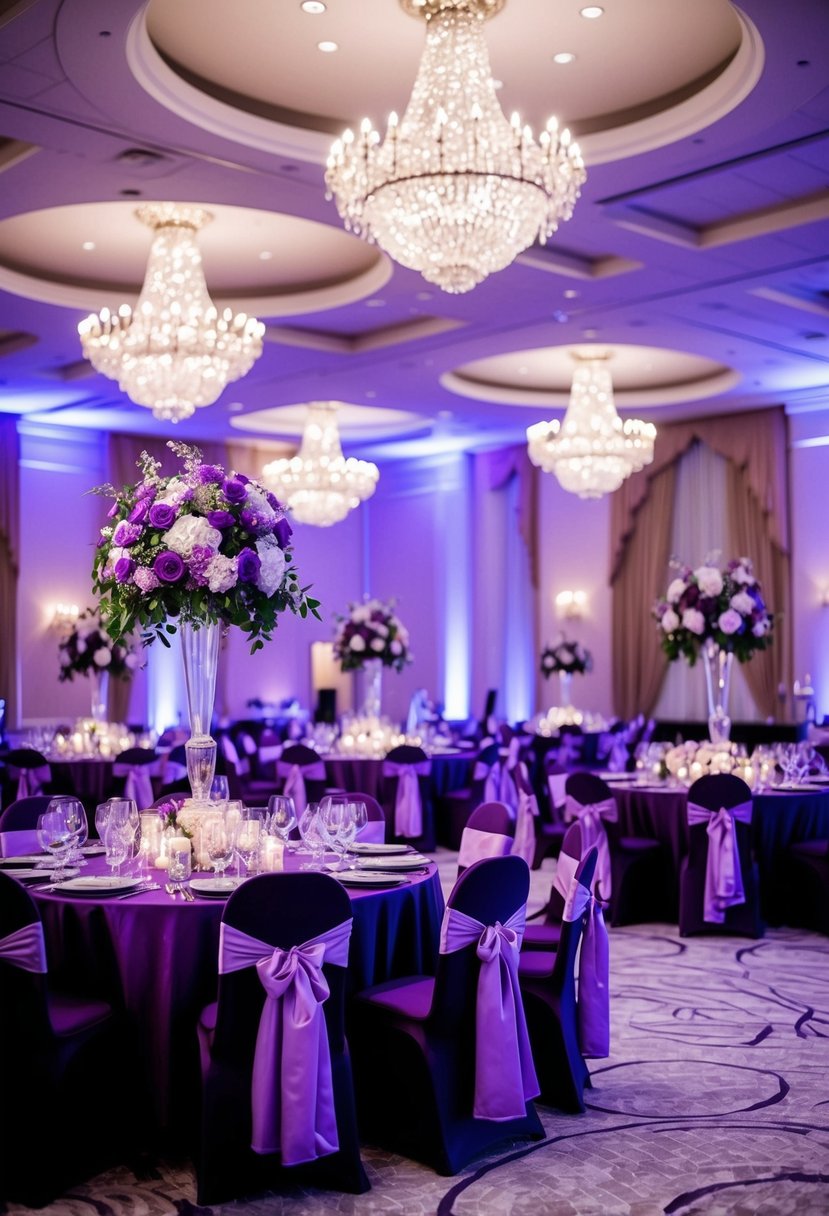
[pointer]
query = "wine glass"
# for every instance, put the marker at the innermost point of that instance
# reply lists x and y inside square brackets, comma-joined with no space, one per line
[246,841]
[359,818]
[180,866]
[309,830]
[219,790]
[117,847]
[79,825]
[54,836]
[218,844]
[281,817]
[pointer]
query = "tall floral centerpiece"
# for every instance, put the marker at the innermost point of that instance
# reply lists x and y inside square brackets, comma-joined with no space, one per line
[717,613]
[193,553]
[565,660]
[368,638]
[88,651]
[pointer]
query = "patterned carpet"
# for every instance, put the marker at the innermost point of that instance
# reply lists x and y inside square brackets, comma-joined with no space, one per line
[715,1100]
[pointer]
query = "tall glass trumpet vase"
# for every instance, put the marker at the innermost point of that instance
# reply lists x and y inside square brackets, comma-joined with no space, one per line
[99,689]
[565,689]
[200,651]
[372,688]
[718,663]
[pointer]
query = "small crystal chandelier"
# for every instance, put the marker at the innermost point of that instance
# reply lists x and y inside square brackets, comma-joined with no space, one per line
[319,485]
[455,191]
[175,351]
[592,451]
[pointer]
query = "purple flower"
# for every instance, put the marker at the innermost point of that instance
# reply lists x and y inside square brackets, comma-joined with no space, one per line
[220,519]
[242,477]
[248,565]
[124,568]
[145,580]
[103,540]
[146,490]
[126,534]
[162,515]
[234,490]
[200,559]
[210,474]
[139,512]
[272,501]
[250,520]
[282,530]
[168,566]
[113,511]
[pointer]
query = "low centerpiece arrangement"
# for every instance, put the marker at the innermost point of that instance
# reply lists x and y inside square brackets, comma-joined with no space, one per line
[717,612]
[87,650]
[368,638]
[194,554]
[565,659]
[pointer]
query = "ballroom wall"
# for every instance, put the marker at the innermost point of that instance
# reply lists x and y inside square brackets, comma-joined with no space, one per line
[413,540]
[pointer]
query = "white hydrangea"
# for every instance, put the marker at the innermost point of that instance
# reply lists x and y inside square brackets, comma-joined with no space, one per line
[357,643]
[675,590]
[175,492]
[272,569]
[709,579]
[693,621]
[742,603]
[378,645]
[189,531]
[361,614]
[102,657]
[221,573]
[670,621]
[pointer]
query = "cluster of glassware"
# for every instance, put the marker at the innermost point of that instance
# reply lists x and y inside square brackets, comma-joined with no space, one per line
[87,739]
[766,767]
[371,738]
[62,830]
[548,725]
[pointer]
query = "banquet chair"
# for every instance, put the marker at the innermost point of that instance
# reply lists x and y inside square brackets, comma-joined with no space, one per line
[634,865]
[455,806]
[489,832]
[807,871]
[25,772]
[718,880]
[414,1040]
[374,831]
[18,825]
[526,814]
[133,777]
[280,1001]
[545,934]
[62,1052]
[406,796]
[561,1025]
[550,826]
[301,774]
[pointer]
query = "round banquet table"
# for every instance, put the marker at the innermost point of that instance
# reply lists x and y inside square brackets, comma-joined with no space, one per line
[356,774]
[779,818]
[155,958]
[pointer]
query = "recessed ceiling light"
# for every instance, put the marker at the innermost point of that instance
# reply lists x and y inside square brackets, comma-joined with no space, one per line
[88,246]
[591,11]
[570,293]
[312,6]
[564,57]
[327,47]
[375,303]
[265,255]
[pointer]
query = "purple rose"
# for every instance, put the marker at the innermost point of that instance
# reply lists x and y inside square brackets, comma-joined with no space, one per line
[250,520]
[272,501]
[220,519]
[139,512]
[126,534]
[124,569]
[245,480]
[113,511]
[283,531]
[103,541]
[234,490]
[168,566]
[210,474]
[162,515]
[248,566]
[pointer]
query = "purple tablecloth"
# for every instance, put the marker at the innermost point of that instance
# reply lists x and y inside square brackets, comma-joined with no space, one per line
[778,820]
[156,959]
[354,774]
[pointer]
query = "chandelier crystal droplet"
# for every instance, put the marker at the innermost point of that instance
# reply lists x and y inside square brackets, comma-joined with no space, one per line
[592,451]
[454,191]
[175,351]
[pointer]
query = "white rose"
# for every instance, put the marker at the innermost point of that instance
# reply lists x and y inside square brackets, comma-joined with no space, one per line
[273,565]
[378,645]
[709,580]
[360,615]
[675,590]
[189,531]
[102,657]
[357,643]
[743,576]
[670,621]
[742,603]
[175,492]
[693,621]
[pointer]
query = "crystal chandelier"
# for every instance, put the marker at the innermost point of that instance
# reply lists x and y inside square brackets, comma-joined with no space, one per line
[592,451]
[319,485]
[175,351]
[455,191]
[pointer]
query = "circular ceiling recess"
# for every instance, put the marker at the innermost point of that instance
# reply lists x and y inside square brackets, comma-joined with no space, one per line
[643,75]
[89,255]
[642,376]
[356,423]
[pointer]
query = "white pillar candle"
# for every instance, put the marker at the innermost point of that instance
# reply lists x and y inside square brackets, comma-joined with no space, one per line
[273,854]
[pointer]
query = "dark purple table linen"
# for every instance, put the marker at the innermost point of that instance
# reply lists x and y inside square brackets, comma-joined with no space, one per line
[352,773]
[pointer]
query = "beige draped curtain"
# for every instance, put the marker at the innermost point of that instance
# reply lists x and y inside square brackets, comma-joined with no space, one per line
[756,446]
[9,562]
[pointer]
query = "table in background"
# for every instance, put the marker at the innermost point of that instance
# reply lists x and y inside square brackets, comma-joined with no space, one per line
[356,774]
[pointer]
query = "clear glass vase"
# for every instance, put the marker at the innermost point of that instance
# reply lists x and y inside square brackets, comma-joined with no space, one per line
[99,693]
[717,663]
[200,652]
[565,689]
[372,688]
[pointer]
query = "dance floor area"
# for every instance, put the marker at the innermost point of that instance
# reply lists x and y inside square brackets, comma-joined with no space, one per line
[715,1100]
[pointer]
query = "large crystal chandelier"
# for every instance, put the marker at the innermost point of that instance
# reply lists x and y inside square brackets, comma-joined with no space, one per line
[592,451]
[319,485]
[455,191]
[175,351]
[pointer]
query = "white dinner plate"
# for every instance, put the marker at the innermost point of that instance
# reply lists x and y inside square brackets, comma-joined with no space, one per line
[412,861]
[25,875]
[213,888]
[96,884]
[24,859]
[377,850]
[358,878]
[794,787]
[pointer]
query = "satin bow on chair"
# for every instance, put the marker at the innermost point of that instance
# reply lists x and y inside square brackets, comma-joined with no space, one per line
[137,784]
[408,807]
[505,1077]
[30,781]
[593,1007]
[723,873]
[292,1095]
[25,948]
[294,776]
[525,816]
[592,817]
[477,845]
[494,777]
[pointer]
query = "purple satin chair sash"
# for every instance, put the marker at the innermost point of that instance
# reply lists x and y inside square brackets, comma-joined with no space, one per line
[593,1007]
[492,786]
[292,1095]
[241,765]
[505,1077]
[566,867]
[25,948]
[16,844]
[294,775]
[137,785]
[525,815]
[723,873]
[477,845]
[30,781]
[592,817]
[408,807]
[555,784]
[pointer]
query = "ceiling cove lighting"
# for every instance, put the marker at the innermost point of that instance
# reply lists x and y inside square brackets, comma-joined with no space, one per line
[454,191]
[175,351]
[592,451]
[319,485]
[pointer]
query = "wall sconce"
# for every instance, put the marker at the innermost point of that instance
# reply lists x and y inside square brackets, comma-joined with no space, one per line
[64,616]
[571,604]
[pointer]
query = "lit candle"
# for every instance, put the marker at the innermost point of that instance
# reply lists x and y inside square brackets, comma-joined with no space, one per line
[273,854]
